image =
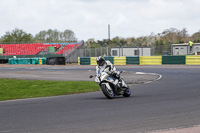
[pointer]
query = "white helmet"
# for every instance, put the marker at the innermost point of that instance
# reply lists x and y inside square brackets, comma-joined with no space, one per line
[100,61]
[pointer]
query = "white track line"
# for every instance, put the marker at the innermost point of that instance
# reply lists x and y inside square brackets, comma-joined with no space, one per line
[160,76]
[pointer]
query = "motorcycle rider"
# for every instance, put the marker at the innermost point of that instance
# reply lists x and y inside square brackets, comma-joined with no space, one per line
[106,66]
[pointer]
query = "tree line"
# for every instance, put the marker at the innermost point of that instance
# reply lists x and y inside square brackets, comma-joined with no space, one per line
[159,42]
[47,36]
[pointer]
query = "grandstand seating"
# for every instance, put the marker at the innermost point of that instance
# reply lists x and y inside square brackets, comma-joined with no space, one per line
[68,48]
[35,48]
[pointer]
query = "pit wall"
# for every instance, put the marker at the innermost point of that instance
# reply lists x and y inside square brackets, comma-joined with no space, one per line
[144,60]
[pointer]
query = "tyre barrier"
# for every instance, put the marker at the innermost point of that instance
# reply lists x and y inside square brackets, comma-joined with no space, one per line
[119,60]
[192,60]
[132,60]
[145,60]
[111,59]
[84,60]
[93,61]
[3,61]
[150,60]
[173,60]
[15,61]
[20,61]
[55,61]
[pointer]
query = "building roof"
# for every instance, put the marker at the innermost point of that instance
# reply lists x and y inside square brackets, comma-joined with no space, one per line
[130,47]
[185,44]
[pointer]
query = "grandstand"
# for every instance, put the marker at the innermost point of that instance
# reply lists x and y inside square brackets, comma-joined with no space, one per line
[37,48]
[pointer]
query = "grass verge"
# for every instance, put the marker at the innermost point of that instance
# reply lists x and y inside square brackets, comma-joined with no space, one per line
[19,89]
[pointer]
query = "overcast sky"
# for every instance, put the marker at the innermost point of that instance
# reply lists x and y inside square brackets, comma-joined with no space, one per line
[90,18]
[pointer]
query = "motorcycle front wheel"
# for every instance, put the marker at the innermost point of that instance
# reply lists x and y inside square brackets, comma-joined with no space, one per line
[127,93]
[108,93]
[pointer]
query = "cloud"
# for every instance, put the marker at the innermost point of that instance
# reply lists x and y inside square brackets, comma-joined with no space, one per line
[90,18]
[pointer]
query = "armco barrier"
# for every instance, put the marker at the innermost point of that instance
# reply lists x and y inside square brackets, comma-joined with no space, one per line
[150,60]
[119,60]
[132,60]
[173,60]
[192,60]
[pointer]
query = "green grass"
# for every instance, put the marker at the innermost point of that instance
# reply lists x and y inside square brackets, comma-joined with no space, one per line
[19,89]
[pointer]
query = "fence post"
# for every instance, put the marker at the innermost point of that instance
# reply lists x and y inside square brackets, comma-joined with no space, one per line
[23,52]
[95,52]
[107,50]
[90,52]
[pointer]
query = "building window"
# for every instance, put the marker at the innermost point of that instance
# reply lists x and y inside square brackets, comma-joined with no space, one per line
[136,52]
[114,52]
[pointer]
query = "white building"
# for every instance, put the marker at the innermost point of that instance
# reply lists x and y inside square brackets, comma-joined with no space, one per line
[184,49]
[131,51]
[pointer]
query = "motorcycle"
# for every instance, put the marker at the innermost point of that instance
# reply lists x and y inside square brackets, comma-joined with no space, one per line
[111,86]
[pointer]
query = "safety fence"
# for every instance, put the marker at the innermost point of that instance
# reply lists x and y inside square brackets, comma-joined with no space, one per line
[144,60]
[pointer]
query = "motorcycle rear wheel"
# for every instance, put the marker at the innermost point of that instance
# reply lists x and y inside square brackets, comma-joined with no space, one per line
[108,93]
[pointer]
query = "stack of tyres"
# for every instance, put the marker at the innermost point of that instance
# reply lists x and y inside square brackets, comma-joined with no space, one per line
[44,61]
[19,61]
[150,60]
[27,61]
[119,60]
[176,59]
[85,61]
[132,60]
[93,61]
[111,59]
[40,61]
[11,61]
[3,61]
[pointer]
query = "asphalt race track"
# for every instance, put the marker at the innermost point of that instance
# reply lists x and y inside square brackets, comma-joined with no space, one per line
[171,102]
